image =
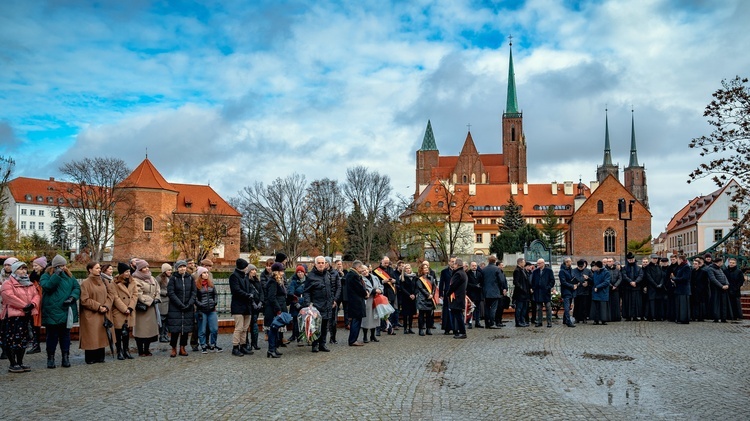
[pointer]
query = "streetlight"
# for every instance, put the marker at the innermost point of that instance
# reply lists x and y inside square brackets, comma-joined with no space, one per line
[624,208]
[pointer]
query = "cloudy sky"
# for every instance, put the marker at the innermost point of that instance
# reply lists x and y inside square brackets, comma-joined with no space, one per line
[232,92]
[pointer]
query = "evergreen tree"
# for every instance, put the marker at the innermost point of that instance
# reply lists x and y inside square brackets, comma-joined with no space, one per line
[550,228]
[513,220]
[59,230]
[356,224]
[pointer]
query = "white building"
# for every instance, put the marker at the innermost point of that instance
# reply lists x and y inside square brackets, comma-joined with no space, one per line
[702,222]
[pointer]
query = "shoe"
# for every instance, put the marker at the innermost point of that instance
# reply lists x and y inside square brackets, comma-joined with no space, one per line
[65,359]
[411,332]
[469,326]
[357,344]
[300,343]
[270,354]
[126,348]
[479,326]
[604,323]
[51,360]
[333,341]
[35,349]
[446,332]
[596,322]
[374,339]
[147,353]
[171,354]
[195,348]
[549,324]
[15,369]
[462,336]
[282,344]
[538,325]
[25,368]
[315,347]
[276,351]
[183,352]
[255,346]
[204,350]
[421,332]
[377,333]
[323,348]
[493,327]
[236,351]
[119,352]
[428,333]
[216,348]
[247,350]
[570,325]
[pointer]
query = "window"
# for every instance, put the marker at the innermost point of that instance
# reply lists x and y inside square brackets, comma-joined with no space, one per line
[492,237]
[148,224]
[50,199]
[464,178]
[40,199]
[41,226]
[600,207]
[28,197]
[23,211]
[41,213]
[718,234]
[733,212]
[32,212]
[32,225]
[609,240]
[493,221]
[538,220]
[427,204]
[441,204]
[479,238]
[23,225]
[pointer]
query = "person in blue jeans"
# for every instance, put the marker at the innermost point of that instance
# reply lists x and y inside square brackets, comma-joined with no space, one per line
[206,302]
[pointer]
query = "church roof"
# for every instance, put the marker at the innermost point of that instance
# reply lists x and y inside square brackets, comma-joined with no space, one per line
[469,147]
[195,198]
[511,106]
[146,176]
[428,142]
[607,151]
[633,150]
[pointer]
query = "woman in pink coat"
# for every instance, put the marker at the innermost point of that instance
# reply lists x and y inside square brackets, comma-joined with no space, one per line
[20,304]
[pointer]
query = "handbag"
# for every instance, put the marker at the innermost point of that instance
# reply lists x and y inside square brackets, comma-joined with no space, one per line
[139,306]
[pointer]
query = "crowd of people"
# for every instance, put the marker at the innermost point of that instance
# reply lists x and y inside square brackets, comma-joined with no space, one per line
[180,304]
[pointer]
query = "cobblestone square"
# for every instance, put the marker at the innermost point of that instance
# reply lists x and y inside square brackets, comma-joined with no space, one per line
[626,370]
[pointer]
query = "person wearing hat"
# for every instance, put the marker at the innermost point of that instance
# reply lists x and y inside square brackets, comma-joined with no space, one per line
[147,319]
[37,270]
[243,296]
[699,291]
[60,292]
[614,292]
[96,302]
[20,303]
[7,270]
[206,300]
[163,279]
[275,305]
[207,264]
[257,306]
[632,280]
[582,301]
[719,286]
[601,283]
[181,317]
[654,282]
[681,278]
[125,295]
[297,301]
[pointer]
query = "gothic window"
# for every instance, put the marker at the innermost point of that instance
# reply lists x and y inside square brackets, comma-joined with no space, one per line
[609,240]
[455,178]
[148,224]
[464,178]
[484,178]
[421,161]
[600,207]
[512,134]
[473,178]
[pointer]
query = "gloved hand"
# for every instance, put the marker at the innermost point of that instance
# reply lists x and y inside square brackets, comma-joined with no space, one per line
[68,301]
[28,308]
[157,301]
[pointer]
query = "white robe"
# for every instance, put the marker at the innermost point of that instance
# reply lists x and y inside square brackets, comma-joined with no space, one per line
[370,321]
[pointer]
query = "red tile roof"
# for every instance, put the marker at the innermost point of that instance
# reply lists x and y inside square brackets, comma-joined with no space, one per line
[193,198]
[691,213]
[146,176]
[31,190]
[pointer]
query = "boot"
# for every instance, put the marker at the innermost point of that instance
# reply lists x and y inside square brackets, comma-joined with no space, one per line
[428,333]
[236,351]
[173,353]
[364,335]
[183,352]
[139,345]
[51,360]
[246,349]
[323,348]
[372,336]
[14,367]
[421,332]
[65,359]
[35,348]
[126,346]
[119,351]
[19,360]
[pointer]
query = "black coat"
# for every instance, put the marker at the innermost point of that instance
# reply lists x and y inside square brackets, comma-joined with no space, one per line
[475,285]
[578,274]
[699,285]
[458,287]
[445,282]
[182,292]
[736,279]
[356,293]
[632,273]
[567,282]
[521,285]
[542,282]
[335,279]
[275,301]
[409,287]
[260,301]
[206,298]
[654,277]
[242,295]
[318,292]
[681,279]
[424,303]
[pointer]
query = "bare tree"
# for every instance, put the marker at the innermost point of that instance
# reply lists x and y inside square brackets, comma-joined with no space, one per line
[252,225]
[8,235]
[324,227]
[197,235]
[97,189]
[282,209]
[371,192]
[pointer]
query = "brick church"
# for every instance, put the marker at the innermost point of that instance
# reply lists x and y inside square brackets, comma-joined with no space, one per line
[487,181]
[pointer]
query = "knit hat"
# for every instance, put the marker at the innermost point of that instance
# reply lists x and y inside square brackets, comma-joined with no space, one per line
[300,268]
[654,256]
[201,270]
[207,262]
[250,267]
[16,265]
[179,263]
[10,261]
[329,260]
[165,267]
[58,260]
[277,267]
[122,268]
[630,255]
[41,261]
[140,264]
[280,257]
[708,255]
[241,264]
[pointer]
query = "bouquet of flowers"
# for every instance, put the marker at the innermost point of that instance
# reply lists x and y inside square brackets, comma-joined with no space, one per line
[470,307]
[309,322]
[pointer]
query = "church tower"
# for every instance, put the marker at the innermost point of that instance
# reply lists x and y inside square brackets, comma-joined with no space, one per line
[514,140]
[427,159]
[635,175]
[607,167]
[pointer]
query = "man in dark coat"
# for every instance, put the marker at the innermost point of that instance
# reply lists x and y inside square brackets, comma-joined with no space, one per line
[356,295]
[458,283]
[542,283]
[614,292]
[719,286]
[582,300]
[334,278]
[318,293]
[632,276]
[736,279]
[521,293]
[474,291]
[654,280]
[504,300]
[390,281]
[445,282]
[492,287]
[681,279]
[699,298]
[243,296]
[568,286]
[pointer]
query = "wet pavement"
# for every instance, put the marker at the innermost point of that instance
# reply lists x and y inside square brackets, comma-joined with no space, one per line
[625,370]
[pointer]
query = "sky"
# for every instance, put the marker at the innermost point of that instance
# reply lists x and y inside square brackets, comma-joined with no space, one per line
[227,93]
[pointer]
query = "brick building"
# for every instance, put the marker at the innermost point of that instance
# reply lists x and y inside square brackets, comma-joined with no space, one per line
[161,204]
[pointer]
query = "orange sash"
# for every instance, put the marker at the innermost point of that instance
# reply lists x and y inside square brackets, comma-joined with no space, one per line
[384,276]
[427,284]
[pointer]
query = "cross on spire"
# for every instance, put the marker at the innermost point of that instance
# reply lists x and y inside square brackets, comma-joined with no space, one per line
[510,40]
[469,126]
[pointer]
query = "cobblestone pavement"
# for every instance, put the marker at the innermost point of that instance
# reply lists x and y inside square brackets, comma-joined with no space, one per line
[626,370]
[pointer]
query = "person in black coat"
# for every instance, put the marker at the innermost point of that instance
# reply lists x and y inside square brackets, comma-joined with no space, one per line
[257,305]
[568,286]
[736,279]
[521,292]
[492,291]
[180,319]
[632,276]
[318,293]
[425,297]
[681,278]
[698,291]
[408,288]
[275,294]
[459,280]
[719,286]
[582,300]
[445,282]
[614,293]
[542,284]
[474,289]
[336,278]
[653,279]
[356,295]
[241,307]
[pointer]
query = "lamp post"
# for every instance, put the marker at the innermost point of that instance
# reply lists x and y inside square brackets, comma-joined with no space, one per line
[625,213]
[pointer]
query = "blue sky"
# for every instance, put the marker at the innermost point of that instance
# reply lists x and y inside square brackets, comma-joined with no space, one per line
[232,92]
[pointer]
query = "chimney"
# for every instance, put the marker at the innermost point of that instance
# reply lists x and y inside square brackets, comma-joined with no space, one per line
[568,188]
[513,188]
[525,188]
[52,179]
[554,188]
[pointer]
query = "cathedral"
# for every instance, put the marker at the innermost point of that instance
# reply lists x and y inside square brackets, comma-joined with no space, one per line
[472,190]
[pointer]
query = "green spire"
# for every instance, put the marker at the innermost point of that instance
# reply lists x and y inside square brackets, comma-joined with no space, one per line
[633,152]
[607,152]
[428,143]
[512,105]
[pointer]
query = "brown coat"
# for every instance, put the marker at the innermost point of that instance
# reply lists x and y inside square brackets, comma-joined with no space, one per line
[145,321]
[94,294]
[124,299]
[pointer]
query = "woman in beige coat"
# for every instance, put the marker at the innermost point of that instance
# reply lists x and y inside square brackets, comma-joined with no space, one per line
[96,301]
[125,295]
[146,321]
